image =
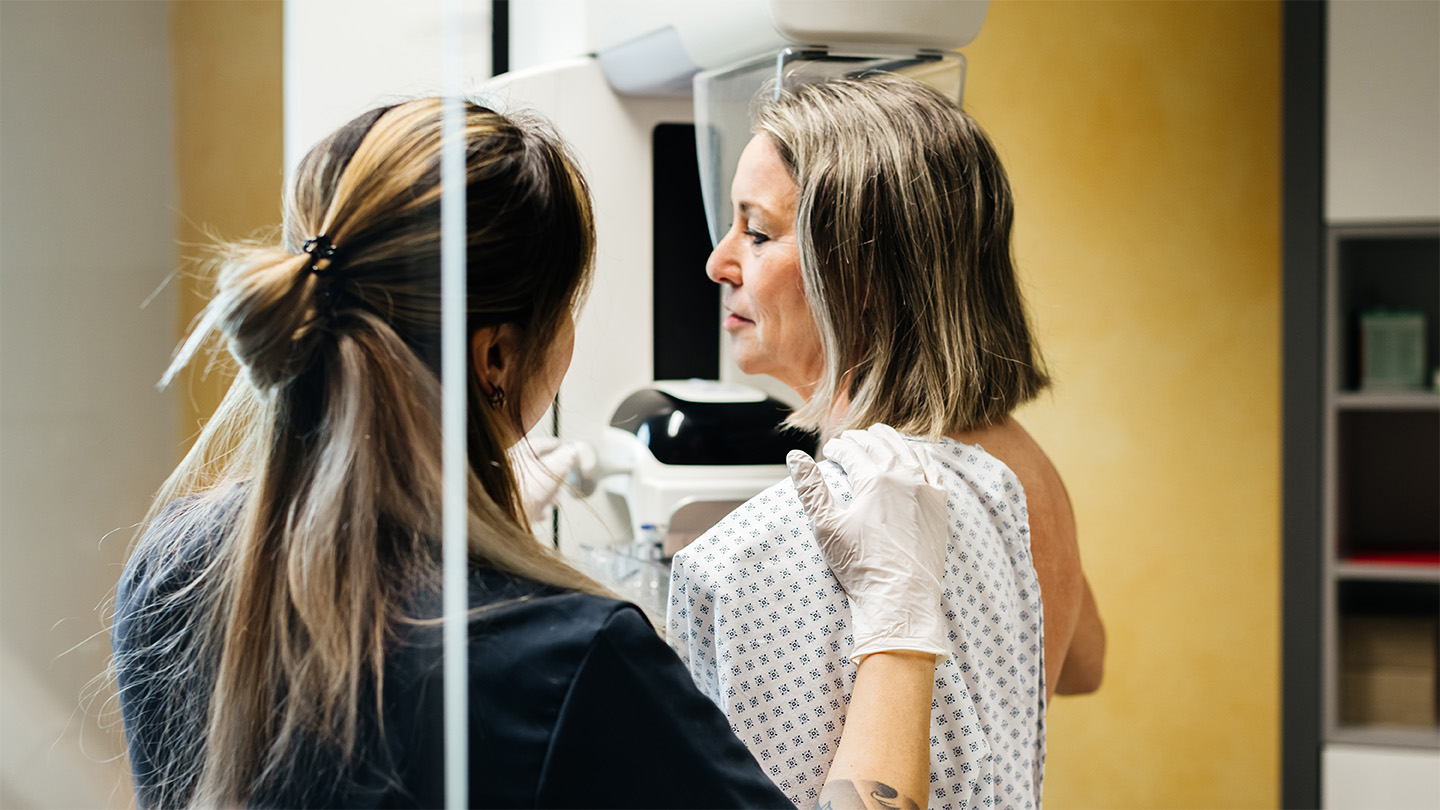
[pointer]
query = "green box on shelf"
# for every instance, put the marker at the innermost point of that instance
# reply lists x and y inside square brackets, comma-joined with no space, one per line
[1392,350]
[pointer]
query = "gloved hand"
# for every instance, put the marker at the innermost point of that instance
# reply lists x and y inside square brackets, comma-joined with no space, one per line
[541,465]
[887,545]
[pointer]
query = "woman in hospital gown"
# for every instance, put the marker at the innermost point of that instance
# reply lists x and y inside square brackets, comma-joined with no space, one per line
[869,268]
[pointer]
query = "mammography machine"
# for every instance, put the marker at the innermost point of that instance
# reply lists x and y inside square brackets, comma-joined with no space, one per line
[658,112]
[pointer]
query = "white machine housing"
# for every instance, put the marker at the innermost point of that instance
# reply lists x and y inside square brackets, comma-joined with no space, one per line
[651,47]
[673,501]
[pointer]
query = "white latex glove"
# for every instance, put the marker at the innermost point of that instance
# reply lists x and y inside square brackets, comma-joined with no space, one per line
[541,465]
[887,545]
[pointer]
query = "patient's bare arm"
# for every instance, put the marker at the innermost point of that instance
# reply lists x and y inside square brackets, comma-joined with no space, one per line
[1084,666]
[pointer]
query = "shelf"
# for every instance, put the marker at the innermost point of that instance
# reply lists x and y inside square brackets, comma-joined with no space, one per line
[1387,474]
[1400,736]
[1381,524]
[1388,572]
[1388,401]
[1381,270]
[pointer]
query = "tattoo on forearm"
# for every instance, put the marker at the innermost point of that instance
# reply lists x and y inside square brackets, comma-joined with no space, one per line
[889,798]
[863,794]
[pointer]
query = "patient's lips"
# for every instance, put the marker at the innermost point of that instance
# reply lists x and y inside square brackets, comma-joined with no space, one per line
[734,319]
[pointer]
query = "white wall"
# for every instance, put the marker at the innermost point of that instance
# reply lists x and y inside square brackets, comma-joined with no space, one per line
[343,57]
[1383,112]
[546,31]
[86,234]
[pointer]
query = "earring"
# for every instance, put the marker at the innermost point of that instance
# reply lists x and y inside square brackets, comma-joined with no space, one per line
[496,397]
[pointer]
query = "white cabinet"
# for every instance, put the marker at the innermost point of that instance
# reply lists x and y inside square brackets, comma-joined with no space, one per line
[1383,114]
[1364,777]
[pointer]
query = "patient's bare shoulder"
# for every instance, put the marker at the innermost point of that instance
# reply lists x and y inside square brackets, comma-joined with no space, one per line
[1045,495]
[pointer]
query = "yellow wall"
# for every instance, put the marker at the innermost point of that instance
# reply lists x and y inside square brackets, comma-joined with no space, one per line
[1143,141]
[229,151]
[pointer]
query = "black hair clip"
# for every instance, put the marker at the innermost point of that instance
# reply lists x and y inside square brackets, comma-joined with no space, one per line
[321,249]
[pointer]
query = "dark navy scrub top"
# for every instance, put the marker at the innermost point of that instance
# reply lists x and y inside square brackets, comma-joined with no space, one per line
[574,702]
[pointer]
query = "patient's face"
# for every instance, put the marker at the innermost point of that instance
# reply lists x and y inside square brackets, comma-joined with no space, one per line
[767,317]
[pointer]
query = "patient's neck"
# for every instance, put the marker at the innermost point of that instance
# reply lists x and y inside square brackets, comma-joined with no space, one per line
[1005,431]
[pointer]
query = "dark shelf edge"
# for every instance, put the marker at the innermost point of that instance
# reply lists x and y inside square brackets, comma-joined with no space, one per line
[1303,240]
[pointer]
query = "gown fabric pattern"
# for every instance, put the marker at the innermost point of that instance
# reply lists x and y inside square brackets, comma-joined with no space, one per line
[763,627]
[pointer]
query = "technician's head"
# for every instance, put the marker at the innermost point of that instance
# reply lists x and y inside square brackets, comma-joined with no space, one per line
[373,189]
[869,265]
[345,346]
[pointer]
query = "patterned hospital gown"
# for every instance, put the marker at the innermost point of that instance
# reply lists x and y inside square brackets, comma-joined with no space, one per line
[763,626]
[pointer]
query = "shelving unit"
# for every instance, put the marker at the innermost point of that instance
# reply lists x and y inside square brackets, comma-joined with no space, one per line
[1381,501]
[1361,468]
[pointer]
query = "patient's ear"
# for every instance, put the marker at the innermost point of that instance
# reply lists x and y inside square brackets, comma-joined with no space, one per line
[494,352]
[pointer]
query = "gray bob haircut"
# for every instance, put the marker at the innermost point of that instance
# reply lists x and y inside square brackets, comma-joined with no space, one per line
[903,221]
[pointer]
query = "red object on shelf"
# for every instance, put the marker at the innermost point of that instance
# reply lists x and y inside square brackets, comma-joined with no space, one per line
[1396,558]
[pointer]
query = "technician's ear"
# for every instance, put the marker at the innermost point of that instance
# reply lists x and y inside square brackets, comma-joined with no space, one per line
[495,351]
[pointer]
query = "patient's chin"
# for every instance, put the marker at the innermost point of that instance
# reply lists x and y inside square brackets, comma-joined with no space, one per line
[749,359]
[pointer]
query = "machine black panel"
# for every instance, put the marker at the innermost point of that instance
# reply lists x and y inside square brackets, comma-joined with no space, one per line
[709,433]
[687,303]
